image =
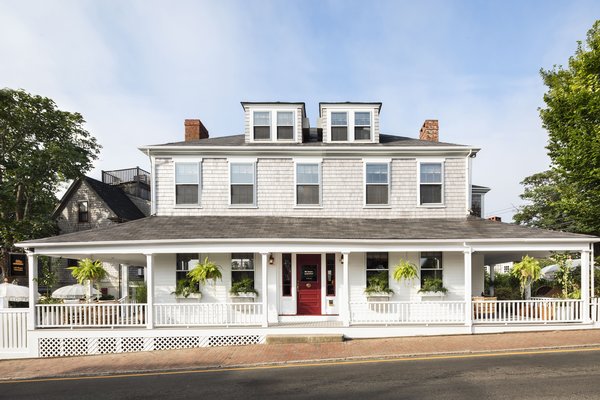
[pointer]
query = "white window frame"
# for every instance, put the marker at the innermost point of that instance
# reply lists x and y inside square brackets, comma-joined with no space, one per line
[441,266]
[354,125]
[331,126]
[253,270]
[194,160]
[294,122]
[252,161]
[441,161]
[302,161]
[273,117]
[350,112]
[270,126]
[386,161]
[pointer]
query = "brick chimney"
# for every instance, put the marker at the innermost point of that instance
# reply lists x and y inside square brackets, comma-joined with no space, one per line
[430,130]
[495,219]
[195,130]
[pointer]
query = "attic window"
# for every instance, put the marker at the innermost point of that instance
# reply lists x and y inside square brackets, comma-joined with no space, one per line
[362,126]
[82,211]
[285,125]
[339,126]
[262,125]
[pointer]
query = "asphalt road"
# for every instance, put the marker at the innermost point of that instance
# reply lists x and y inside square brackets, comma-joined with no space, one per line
[549,375]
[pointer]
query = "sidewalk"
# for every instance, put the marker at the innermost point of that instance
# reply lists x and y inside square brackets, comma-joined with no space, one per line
[216,357]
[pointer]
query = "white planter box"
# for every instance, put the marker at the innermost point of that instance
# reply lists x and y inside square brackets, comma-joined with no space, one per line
[194,297]
[379,296]
[432,294]
[243,297]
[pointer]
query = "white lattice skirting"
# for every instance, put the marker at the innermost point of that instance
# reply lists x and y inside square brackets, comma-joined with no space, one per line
[79,346]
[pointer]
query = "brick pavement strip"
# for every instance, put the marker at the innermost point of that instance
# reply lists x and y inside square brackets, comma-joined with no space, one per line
[214,357]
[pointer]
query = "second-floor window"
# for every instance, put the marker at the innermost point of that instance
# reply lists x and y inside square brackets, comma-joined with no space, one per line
[82,212]
[262,125]
[285,125]
[242,183]
[339,126]
[476,203]
[377,184]
[308,184]
[430,183]
[362,125]
[187,183]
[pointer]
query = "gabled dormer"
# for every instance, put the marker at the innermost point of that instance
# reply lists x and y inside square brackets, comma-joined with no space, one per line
[275,122]
[349,122]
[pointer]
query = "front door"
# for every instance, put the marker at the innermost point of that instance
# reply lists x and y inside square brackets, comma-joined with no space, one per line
[309,284]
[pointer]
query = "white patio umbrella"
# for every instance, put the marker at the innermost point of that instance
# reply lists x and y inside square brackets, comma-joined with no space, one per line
[11,291]
[550,271]
[73,292]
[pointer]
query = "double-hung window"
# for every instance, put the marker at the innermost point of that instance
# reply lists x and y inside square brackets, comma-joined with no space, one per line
[187,183]
[82,211]
[242,267]
[339,126]
[476,204]
[308,184]
[285,125]
[431,266]
[362,125]
[185,262]
[377,270]
[242,183]
[262,125]
[377,184]
[430,183]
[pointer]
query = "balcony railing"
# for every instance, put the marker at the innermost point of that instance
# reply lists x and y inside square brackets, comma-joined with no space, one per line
[90,315]
[426,312]
[527,311]
[208,314]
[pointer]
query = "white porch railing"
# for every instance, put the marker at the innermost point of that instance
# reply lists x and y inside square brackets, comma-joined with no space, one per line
[595,309]
[426,312]
[527,311]
[13,330]
[90,315]
[206,314]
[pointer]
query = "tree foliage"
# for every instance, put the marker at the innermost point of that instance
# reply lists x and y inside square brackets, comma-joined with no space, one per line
[40,148]
[567,197]
[527,271]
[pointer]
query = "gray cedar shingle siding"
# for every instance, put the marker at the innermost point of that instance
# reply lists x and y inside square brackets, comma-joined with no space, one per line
[264,227]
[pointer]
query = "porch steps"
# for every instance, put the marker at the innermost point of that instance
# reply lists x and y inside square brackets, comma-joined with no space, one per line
[287,339]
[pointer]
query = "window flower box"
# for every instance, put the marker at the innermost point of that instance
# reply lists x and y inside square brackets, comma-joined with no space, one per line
[192,297]
[378,296]
[243,297]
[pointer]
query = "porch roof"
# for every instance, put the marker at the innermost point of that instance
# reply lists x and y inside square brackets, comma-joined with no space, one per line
[169,228]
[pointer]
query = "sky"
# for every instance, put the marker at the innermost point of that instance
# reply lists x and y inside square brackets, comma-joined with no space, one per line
[136,69]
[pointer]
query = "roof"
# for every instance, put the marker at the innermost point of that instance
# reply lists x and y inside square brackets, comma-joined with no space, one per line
[158,228]
[284,103]
[239,140]
[114,197]
[325,103]
[480,189]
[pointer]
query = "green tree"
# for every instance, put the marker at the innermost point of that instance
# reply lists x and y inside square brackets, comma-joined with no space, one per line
[527,271]
[40,148]
[568,196]
[47,276]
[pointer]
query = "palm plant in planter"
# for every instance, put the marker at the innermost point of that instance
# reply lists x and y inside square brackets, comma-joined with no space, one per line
[378,288]
[205,271]
[527,271]
[89,271]
[243,288]
[433,287]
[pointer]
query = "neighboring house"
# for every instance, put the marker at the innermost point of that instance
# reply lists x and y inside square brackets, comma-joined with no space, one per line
[314,218]
[123,195]
[500,268]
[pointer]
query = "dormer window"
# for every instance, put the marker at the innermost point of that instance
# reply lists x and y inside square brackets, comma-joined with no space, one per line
[262,125]
[339,126]
[362,126]
[285,125]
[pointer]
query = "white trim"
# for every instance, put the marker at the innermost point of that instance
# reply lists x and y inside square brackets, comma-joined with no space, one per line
[387,162]
[235,160]
[255,110]
[273,110]
[350,111]
[421,161]
[304,161]
[187,160]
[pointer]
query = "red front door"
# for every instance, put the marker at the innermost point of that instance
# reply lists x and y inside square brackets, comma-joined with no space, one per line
[308,267]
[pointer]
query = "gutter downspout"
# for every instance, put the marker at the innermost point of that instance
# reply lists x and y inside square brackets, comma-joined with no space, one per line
[152,184]
[468,168]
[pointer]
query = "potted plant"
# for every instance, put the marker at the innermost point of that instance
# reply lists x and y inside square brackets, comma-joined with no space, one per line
[378,288]
[89,271]
[433,287]
[405,271]
[243,290]
[186,289]
[527,271]
[205,271]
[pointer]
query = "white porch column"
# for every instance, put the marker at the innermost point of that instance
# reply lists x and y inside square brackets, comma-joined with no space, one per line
[345,298]
[32,274]
[492,279]
[468,287]
[149,276]
[585,284]
[265,286]
[273,312]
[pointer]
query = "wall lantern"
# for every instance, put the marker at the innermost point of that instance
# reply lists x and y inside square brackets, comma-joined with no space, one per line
[271,259]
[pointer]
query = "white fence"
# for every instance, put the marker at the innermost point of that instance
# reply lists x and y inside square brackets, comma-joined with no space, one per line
[207,314]
[90,315]
[426,312]
[527,311]
[13,330]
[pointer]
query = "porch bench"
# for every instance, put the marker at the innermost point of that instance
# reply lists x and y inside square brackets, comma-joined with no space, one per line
[484,307]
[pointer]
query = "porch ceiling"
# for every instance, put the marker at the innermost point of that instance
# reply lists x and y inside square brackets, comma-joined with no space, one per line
[497,257]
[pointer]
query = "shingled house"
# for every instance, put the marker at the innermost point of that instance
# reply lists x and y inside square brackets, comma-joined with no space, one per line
[316,219]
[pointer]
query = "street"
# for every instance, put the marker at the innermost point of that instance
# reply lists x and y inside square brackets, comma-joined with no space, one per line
[533,375]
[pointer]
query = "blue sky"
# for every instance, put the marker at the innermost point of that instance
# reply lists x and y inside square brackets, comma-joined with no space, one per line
[137,69]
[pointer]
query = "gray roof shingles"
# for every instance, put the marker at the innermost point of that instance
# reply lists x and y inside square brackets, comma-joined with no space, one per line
[264,227]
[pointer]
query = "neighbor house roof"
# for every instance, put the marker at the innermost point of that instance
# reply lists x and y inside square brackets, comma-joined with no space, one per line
[113,196]
[157,228]
[239,140]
